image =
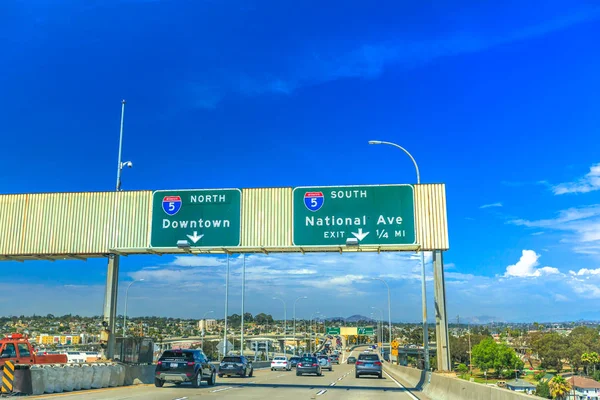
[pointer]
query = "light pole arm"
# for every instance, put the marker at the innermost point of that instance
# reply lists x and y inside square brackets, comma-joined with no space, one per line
[404,150]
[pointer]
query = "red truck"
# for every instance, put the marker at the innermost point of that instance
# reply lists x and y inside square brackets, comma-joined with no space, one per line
[16,348]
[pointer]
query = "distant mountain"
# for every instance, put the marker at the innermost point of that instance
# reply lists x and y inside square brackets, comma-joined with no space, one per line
[353,318]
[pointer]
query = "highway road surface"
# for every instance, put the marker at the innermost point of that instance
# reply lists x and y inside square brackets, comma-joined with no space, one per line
[265,384]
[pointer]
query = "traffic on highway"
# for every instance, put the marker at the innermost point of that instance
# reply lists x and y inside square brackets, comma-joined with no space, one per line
[183,375]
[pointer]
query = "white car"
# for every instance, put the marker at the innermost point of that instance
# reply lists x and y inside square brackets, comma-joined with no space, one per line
[281,363]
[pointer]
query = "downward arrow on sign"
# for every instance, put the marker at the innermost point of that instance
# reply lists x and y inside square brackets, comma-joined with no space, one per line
[360,235]
[195,237]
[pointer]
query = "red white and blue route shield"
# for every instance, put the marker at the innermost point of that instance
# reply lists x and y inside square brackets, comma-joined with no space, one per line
[171,204]
[314,200]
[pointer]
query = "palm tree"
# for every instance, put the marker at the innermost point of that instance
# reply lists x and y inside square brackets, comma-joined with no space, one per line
[594,359]
[559,387]
[586,358]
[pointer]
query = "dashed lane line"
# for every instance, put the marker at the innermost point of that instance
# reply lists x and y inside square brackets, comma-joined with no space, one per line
[221,389]
[322,392]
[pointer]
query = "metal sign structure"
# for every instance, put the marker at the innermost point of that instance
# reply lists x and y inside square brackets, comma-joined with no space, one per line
[371,214]
[203,218]
[365,331]
[333,330]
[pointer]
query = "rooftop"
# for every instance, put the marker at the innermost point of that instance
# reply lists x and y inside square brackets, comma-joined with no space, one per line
[584,383]
[521,383]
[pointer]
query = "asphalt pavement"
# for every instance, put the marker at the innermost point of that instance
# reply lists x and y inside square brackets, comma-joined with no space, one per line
[337,384]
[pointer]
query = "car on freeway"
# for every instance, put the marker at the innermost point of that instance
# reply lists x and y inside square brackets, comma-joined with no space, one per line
[351,360]
[335,359]
[325,362]
[235,365]
[308,365]
[281,362]
[368,364]
[178,366]
[294,361]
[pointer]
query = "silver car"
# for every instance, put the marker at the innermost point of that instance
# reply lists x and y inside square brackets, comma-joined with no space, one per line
[368,364]
[325,362]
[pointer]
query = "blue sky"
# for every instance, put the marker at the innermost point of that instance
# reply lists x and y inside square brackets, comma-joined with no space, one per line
[500,102]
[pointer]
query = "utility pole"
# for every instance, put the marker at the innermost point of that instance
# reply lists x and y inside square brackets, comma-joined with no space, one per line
[470,359]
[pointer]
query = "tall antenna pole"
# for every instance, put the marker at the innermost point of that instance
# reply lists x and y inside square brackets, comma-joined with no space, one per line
[120,165]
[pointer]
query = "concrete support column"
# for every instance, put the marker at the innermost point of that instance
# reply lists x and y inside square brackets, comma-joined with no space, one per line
[110,302]
[444,362]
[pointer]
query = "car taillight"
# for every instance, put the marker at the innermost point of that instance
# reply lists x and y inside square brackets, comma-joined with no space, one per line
[358,362]
[314,365]
[377,362]
[299,364]
[159,363]
[190,363]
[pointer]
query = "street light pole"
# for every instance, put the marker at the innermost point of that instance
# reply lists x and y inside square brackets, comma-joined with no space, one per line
[295,344]
[125,313]
[389,313]
[112,270]
[226,307]
[314,331]
[284,315]
[380,322]
[243,295]
[203,326]
[423,282]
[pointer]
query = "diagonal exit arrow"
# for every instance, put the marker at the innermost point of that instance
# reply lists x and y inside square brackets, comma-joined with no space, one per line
[360,235]
[195,237]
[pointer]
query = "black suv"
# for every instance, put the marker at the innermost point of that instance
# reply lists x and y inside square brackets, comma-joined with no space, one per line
[235,365]
[178,366]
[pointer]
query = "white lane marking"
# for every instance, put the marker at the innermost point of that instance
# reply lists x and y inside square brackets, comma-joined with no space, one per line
[220,390]
[322,392]
[332,383]
[412,396]
[180,398]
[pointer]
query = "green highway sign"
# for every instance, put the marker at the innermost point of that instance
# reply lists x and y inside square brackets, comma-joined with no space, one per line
[333,330]
[365,330]
[203,217]
[372,214]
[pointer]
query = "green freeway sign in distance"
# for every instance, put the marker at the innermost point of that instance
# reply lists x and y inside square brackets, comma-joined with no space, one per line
[333,331]
[373,214]
[203,217]
[365,331]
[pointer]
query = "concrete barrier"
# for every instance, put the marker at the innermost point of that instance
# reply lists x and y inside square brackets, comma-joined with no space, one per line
[69,379]
[440,387]
[139,374]
[77,376]
[87,375]
[37,379]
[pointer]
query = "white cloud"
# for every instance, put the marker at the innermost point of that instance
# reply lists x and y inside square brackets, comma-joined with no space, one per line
[366,61]
[525,267]
[582,225]
[586,290]
[585,271]
[588,183]
[491,205]
[560,297]
[195,261]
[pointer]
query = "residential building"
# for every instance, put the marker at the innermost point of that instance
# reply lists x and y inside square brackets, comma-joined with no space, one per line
[59,339]
[520,385]
[207,324]
[583,388]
